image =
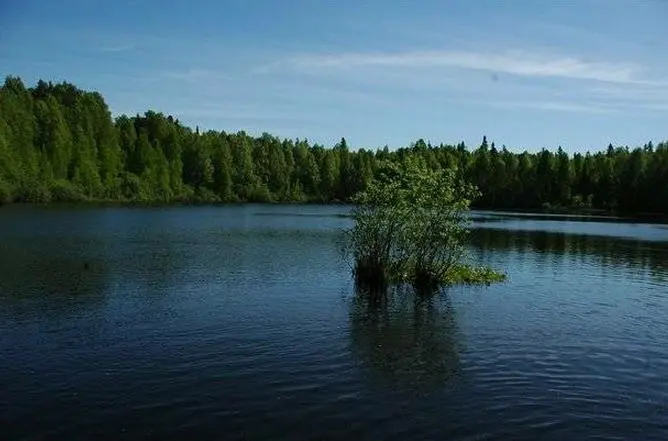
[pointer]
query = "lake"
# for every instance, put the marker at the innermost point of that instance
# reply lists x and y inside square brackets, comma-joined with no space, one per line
[241,322]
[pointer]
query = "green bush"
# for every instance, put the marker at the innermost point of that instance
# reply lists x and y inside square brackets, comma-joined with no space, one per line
[134,188]
[203,195]
[33,192]
[410,226]
[65,191]
[261,193]
[114,190]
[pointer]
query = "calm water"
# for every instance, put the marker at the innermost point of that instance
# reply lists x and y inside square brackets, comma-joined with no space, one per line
[242,323]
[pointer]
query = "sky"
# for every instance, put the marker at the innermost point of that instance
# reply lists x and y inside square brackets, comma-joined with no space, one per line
[528,74]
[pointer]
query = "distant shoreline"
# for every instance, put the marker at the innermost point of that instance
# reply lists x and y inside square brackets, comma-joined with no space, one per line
[552,212]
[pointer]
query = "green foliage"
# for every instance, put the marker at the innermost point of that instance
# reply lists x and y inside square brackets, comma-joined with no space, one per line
[204,195]
[244,170]
[56,132]
[35,192]
[8,163]
[133,188]
[65,191]
[222,172]
[474,275]
[409,226]
[261,193]
[6,192]
[53,137]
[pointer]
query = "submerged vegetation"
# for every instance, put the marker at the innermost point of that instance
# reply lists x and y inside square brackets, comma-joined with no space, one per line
[410,226]
[61,144]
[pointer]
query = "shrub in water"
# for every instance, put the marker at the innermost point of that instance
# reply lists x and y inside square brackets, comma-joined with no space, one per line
[409,226]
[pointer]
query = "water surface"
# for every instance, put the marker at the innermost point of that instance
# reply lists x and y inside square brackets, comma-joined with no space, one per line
[242,323]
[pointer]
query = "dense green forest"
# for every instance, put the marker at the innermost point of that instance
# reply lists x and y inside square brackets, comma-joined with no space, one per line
[59,143]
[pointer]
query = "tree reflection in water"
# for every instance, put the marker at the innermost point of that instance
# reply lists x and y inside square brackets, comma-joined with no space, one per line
[404,338]
[609,253]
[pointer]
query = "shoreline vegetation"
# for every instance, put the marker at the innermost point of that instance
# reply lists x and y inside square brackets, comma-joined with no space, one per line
[60,144]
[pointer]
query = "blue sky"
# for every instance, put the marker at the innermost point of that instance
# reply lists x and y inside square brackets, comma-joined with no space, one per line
[526,73]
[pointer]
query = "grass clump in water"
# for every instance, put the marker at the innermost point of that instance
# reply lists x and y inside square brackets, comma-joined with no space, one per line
[474,275]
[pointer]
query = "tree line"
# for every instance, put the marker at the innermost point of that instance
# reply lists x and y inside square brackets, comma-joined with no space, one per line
[60,143]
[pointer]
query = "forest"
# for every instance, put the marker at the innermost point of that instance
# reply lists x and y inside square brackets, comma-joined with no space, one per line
[61,144]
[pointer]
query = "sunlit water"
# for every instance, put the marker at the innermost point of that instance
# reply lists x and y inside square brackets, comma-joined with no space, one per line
[242,323]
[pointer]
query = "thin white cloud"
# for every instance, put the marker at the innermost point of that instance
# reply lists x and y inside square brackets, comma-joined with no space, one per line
[632,94]
[197,75]
[511,62]
[117,47]
[558,106]
[657,107]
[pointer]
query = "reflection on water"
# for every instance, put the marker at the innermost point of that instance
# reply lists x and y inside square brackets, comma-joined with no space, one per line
[405,339]
[651,256]
[491,216]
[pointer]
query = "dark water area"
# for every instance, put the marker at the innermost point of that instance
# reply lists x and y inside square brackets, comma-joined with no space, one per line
[242,322]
